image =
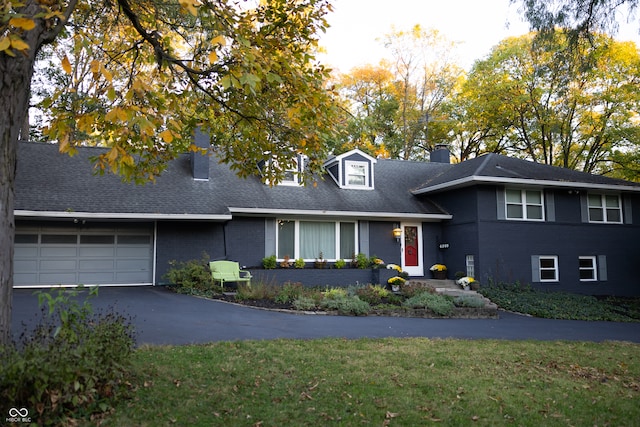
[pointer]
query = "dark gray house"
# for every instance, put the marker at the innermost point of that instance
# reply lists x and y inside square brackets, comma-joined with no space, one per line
[493,217]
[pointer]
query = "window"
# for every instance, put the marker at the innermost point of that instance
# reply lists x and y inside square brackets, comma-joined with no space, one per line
[587,267]
[548,268]
[306,239]
[524,204]
[605,208]
[357,174]
[470,266]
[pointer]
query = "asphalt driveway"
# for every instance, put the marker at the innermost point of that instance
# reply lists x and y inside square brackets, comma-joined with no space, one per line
[162,317]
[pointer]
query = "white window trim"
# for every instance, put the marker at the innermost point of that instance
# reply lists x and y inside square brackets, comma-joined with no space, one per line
[368,181]
[524,204]
[594,268]
[296,242]
[603,208]
[470,265]
[556,268]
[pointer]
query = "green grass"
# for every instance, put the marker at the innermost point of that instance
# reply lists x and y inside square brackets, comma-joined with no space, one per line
[406,382]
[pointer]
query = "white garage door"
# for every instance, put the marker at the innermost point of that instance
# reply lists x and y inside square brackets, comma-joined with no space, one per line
[55,256]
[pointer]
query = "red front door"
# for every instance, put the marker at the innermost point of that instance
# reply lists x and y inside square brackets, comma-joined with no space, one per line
[411,246]
[412,249]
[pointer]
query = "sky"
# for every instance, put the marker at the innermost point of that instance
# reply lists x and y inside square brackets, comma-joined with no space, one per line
[478,25]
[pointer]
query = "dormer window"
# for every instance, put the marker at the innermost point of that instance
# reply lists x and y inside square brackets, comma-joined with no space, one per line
[293,175]
[357,173]
[352,170]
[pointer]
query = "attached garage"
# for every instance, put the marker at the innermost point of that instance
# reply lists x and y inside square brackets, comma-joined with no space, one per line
[49,256]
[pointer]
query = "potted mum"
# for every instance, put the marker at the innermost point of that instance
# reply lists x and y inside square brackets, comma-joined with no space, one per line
[466,282]
[396,283]
[439,271]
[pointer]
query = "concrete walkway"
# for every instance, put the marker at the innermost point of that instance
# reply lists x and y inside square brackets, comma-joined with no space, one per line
[162,317]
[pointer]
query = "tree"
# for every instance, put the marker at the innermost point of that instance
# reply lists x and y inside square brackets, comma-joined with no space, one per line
[373,106]
[151,72]
[556,112]
[580,19]
[425,75]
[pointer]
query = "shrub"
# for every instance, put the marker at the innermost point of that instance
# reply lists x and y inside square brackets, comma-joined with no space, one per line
[289,292]
[257,291]
[347,305]
[361,261]
[74,363]
[269,262]
[192,276]
[439,304]
[299,263]
[470,301]
[334,293]
[340,263]
[304,303]
[410,289]
[372,294]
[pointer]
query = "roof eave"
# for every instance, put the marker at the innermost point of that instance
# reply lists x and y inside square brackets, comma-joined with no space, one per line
[472,180]
[27,214]
[340,214]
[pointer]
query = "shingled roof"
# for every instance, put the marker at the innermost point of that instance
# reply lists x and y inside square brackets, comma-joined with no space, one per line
[496,168]
[50,184]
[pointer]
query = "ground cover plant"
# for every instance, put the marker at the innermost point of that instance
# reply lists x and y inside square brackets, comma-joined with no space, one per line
[73,364]
[562,305]
[411,381]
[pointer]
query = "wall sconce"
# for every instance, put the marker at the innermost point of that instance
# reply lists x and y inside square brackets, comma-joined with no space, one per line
[397,233]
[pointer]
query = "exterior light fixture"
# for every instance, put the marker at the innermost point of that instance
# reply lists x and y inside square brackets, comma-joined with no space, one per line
[397,233]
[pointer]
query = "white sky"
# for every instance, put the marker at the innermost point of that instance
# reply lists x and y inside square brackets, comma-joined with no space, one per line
[477,24]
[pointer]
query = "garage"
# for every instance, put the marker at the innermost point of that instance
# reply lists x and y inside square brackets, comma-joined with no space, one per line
[50,256]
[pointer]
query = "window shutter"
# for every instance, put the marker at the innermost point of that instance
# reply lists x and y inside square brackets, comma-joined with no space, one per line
[602,268]
[269,237]
[500,203]
[626,210]
[535,268]
[584,207]
[550,206]
[363,237]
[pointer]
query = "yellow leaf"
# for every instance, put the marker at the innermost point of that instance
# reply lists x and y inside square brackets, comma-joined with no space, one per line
[18,44]
[167,136]
[23,23]
[191,6]
[219,40]
[66,65]
[5,43]
[213,57]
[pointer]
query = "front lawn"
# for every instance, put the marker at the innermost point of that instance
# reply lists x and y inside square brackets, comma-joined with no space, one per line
[382,382]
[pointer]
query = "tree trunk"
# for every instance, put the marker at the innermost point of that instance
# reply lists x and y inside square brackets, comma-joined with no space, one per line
[15,87]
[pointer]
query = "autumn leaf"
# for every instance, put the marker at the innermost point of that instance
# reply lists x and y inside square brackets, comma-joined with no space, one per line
[167,136]
[66,65]
[191,6]
[5,43]
[17,43]
[22,23]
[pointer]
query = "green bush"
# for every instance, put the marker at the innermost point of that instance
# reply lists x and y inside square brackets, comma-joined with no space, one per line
[257,291]
[289,292]
[439,304]
[299,263]
[340,263]
[361,261]
[372,294]
[269,262]
[73,364]
[192,277]
[347,305]
[304,303]
[470,301]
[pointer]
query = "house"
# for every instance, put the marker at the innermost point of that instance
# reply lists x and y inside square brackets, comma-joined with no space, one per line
[493,217]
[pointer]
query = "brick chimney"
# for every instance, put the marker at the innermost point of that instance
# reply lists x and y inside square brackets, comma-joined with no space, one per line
[199,161]
[440,154]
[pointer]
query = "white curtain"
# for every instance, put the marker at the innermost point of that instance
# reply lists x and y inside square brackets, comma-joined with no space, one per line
[316,237]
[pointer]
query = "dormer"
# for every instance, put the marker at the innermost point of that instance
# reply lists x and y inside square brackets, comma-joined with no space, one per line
[292,176]
[352,170]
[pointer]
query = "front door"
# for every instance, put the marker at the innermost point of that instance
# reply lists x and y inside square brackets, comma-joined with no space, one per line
[412,249]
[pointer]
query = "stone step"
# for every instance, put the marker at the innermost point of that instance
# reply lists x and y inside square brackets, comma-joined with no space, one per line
[435,283]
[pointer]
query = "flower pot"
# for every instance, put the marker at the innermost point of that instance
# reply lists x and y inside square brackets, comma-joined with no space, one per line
[440,275]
